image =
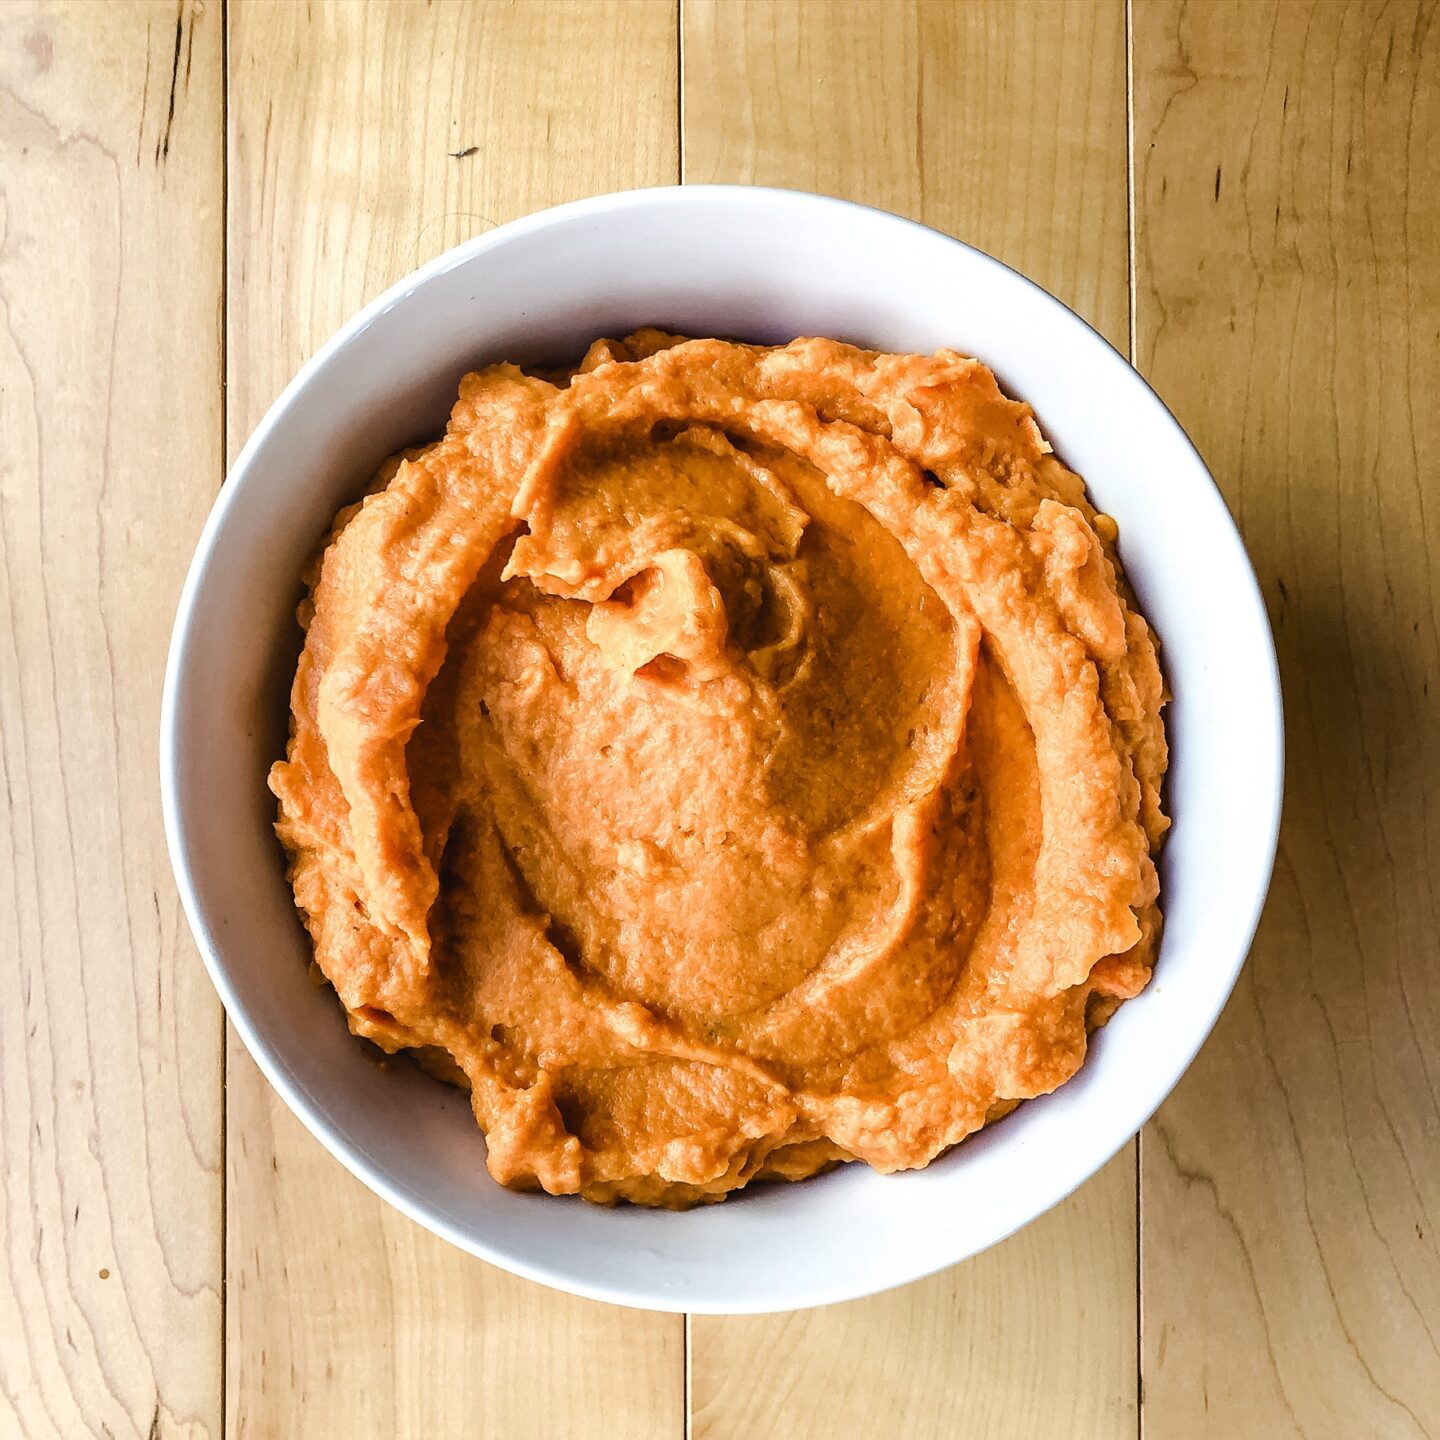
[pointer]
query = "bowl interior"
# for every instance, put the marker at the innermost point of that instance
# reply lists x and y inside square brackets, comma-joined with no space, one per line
[763,265]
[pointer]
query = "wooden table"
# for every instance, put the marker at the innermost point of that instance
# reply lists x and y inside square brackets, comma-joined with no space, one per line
[1246,195]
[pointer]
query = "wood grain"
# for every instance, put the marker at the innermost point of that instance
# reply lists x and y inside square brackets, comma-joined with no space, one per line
[1004,125]
[1001,124]
[363,141]
[1288,307]
[110,1040]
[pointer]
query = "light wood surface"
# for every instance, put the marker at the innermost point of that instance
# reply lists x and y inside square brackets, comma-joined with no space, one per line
[1037,1337]
[110,1038]
[1288,307]
[364,140]
[1280,244]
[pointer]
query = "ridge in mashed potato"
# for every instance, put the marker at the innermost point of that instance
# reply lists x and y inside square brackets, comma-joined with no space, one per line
[725,762]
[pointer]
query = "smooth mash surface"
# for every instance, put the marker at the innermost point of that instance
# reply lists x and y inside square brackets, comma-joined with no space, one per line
[726,761]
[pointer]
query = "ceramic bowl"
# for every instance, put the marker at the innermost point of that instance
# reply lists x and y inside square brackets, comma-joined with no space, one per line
[762,265]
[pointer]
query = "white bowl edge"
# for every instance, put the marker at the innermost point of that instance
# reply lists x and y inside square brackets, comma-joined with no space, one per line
[708,1286]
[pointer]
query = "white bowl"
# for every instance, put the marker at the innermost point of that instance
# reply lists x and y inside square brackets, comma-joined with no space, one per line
[762,265]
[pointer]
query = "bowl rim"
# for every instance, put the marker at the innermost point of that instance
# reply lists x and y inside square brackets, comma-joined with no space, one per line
[268,1058]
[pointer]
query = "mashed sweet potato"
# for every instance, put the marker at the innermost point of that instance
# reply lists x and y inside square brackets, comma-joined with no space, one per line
[727,761]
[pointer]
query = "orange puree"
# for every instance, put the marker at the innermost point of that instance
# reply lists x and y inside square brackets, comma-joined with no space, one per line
[727,761]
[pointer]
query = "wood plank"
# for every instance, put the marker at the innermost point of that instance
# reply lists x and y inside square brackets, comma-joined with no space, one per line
[364,140]
[1004,126]
[1035,1338]
[110,1038]
[1288,307]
